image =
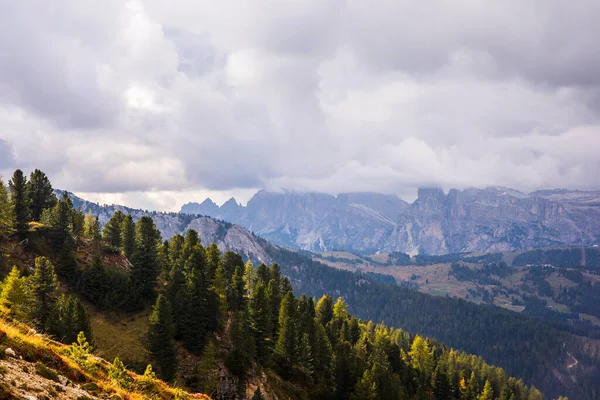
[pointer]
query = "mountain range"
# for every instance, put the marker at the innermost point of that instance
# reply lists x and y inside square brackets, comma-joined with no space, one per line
[470,220]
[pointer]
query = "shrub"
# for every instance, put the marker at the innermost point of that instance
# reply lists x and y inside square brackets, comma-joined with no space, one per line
[46,372]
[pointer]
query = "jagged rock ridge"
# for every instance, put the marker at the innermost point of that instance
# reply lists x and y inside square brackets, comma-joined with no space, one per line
[471,220]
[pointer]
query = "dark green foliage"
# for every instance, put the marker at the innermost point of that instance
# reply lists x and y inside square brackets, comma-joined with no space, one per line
[60,221]
[109,289]
[112,233]
[160,338]
[145,261]
[128,236]
[67,319]
[46,372]
[66,267]
[40,194]
[7,218]
[20,202]
[43,285]
[257,395]
[260,321]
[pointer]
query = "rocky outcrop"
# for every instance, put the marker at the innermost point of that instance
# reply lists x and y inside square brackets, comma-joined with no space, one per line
[471,220]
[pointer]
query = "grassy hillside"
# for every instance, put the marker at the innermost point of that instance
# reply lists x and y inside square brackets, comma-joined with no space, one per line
[31,364]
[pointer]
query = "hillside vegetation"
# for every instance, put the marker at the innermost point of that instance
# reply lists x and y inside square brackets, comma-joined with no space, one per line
[218,325]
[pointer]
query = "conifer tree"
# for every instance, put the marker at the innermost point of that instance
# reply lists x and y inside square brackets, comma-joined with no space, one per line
[237,290]
[221,292]
[287,342]
[20,202]
[258,395]
[488,392]
[324,310]
[260,321]
[207,368]
[146,267]
[89,225]
[175,249]
[249,277]
[213,260]
[160,338]
[61,221]
[176,294]
[112,233]
[66,266]
[7,218]
[263,274]
[43,285]
[40,194]
[128,236]
[275,299]
[421,357]
[14,296]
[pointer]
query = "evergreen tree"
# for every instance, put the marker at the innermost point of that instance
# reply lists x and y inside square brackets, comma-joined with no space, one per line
[60,220]
[43,285]
[89,225]
[68,319]
[237,290]
[128,236]
[145,268]
[207,368]
[40,194]
[287,342]
[249,278]
[175,249]
[257,395]
[112,232]
[488,392]
[176,294]
[160,338]
[275,299]
[260,321]
[20,202]
[421,357]
[213,260]
[324,310]
[66,266]
[7,220]
[14,296]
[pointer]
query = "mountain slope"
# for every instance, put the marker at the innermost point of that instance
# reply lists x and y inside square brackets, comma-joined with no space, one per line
[524,346]
[491,219]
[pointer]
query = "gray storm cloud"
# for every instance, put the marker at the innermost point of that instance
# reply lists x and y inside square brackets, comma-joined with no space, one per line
[308,95]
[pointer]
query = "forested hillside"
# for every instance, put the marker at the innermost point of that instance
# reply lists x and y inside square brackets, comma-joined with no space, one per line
[249,334]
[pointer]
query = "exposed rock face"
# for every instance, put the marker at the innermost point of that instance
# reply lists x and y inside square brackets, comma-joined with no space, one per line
[471,220]
[315,221]
[225,235]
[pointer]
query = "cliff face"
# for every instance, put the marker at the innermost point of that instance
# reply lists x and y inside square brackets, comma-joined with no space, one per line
[492,219]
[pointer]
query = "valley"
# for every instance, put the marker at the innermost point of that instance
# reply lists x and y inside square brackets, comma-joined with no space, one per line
[548,289]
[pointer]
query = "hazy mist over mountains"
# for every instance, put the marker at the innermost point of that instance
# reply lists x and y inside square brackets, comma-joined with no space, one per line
[471,220]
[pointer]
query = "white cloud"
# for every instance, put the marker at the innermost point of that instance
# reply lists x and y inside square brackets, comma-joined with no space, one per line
[153,103]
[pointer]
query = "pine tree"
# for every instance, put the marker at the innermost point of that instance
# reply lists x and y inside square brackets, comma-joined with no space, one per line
[421,357]
[175,249]
[213,260]
[145,268]
[488,392]
[128,236]
[275,299]
[14,296]
[7,219]
[20,202]
[40,194]
[260,321]
[89,225]
[249,278]
[160,338]
[324,310]
[287,342]
[61,220]
[43,285]
[66,266]
[207,368]
[112,233]
[258,395]
[176,294]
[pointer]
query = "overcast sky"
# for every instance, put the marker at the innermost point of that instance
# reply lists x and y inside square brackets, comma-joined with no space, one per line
[157,103]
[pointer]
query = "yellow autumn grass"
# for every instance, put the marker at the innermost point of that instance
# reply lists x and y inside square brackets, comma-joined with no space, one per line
[38,347]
